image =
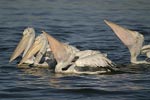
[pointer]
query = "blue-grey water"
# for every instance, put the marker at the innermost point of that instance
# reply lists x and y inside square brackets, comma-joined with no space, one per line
[79,22]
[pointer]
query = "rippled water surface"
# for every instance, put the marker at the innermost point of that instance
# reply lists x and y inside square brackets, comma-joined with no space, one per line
[79,22]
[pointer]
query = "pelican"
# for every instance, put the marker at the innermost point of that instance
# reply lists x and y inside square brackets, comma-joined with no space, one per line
[39,45]
[133,40]
[41,49]
[70,60]
[24,45]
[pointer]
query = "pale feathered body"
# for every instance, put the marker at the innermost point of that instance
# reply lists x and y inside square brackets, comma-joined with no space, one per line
[74,60]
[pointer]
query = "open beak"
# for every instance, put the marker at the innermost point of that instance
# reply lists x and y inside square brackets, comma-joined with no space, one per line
[37,45]
[20,48]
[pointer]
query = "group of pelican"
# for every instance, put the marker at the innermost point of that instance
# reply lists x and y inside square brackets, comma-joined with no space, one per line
[45,50]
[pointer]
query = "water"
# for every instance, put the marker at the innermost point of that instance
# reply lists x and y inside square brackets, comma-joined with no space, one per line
[79,22]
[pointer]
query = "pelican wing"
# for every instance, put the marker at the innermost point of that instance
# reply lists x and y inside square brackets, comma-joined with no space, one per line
[146,50]
[82,54]
[95,60]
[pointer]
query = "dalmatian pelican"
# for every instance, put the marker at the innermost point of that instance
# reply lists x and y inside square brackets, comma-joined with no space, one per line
[38,47]
[133,40]
[24,45]
[43,55]
[70,60]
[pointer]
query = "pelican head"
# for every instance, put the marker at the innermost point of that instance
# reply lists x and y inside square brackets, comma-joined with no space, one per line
[59,49]
[63,53]
[24,44]
[132,39]
[39,47]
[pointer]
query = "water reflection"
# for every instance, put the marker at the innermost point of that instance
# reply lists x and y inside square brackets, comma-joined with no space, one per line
[71,82]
